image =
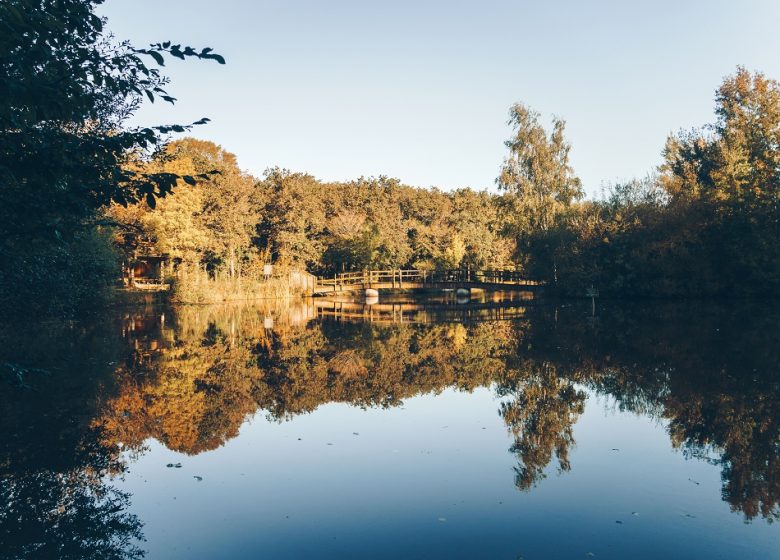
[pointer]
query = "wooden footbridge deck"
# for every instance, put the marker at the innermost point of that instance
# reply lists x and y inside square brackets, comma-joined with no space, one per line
[423,279]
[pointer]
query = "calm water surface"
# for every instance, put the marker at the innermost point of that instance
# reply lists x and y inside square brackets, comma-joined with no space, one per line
[425,429]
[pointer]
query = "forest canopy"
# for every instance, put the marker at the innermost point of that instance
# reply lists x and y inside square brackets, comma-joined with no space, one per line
[706,223]
[84,195]
[230,222]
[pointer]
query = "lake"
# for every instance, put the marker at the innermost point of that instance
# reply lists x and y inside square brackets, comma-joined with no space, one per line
[498,427]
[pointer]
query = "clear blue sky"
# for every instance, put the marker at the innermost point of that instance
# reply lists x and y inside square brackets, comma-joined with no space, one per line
[420,90]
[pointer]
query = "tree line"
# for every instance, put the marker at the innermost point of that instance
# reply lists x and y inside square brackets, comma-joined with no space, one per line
[81,190]
[706,223]
[230,224]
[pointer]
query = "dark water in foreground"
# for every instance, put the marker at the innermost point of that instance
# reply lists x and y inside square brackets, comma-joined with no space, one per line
[432,430]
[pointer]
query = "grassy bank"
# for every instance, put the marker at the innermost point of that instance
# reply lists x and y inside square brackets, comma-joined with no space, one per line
[208,290]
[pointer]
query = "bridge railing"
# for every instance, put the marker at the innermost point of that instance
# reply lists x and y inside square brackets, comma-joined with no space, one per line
[400,276]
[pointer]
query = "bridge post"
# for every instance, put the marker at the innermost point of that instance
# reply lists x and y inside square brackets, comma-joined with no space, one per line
[400,279]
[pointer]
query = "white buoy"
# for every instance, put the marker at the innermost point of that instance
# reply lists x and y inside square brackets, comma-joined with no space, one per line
[371,292]
[462,292]
[372,300]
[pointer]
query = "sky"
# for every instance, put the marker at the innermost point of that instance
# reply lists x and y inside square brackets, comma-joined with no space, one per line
[421,90]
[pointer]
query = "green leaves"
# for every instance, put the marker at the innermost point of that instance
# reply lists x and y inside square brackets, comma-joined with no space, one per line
[177,51]
[156,56]
[65,91]
[216,57]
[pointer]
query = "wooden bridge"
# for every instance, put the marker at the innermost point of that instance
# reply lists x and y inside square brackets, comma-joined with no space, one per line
[423,279]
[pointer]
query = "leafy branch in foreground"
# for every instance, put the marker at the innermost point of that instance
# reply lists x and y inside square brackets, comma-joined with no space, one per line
[67,92]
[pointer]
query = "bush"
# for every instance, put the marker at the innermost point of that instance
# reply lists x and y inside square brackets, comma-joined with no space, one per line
[63,278]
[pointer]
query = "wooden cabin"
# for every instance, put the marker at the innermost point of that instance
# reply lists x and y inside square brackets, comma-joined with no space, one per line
[145,271]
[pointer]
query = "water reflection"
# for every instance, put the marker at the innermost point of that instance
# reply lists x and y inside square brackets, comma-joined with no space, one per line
[80,401]
[540,414]
[55,470]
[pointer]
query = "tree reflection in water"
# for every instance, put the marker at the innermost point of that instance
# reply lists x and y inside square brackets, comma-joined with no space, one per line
[72,515]
[55,469]
[540,414]
[710,371]
[191,378]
